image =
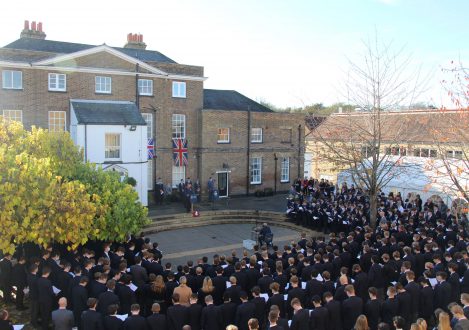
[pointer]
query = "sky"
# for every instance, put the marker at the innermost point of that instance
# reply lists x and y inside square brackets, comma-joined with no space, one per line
[288,53]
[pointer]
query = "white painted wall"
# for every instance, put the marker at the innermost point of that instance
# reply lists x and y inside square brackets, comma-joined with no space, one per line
[133,150]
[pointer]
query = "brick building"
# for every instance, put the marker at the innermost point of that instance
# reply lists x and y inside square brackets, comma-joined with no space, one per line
[40,77]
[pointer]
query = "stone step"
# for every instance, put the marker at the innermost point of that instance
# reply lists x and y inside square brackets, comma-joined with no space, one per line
[197,222]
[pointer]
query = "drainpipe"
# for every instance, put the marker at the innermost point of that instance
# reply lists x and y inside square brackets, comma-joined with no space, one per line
[248,151]
[86,143]
[137,96]
[299,150]
[275,174]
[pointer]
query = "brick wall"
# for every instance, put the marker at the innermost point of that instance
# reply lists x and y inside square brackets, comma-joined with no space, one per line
[234,154]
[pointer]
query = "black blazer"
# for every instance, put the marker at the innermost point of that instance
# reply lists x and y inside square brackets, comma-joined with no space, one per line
[426,302]
[244,312]
[334,308]
[405,305]
[228,313]
[211,318]
[106,299]
[389,309]
[112,323]
[373,313]
[414,290]
[442,295]
[45,293]
[157,322]
[79,299]
[277,299]
[219,282]
[32,284]
[126,297]
[177,316]
[91,320]
[351,309]
[195,314]
[300,320]
[320,318]
[135,322]
[234,292]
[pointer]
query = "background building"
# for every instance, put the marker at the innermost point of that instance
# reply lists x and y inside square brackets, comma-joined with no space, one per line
[41,78]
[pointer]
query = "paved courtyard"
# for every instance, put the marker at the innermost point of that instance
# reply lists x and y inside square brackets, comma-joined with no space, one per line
[181,245]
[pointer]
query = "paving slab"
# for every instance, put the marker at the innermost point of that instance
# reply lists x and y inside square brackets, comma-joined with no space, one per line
[179,246]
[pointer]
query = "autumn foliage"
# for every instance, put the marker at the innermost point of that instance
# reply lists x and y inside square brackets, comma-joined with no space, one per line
[47,194]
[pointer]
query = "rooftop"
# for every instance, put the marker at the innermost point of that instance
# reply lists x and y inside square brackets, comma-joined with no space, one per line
[107,112]
[217,99]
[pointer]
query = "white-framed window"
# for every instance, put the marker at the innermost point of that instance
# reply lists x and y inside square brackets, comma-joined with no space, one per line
[145,87]
[57,121]
[57,82]
[103,85]
[14,115]
[454,154]
[150,174]
[285,170]
[223,135]
[256,170]
[396,151]
[179,89]
[178,124]
[256,135]
[179,173]
[149,120]
[12,79]
[112,146]
[425,152]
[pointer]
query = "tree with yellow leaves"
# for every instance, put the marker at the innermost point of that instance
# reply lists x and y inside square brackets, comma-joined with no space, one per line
[48,195]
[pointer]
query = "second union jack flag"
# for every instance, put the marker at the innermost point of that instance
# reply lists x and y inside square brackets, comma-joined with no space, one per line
[151,149]
[180,152]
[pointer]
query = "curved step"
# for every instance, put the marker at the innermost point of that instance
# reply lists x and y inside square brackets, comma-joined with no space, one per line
[186,220]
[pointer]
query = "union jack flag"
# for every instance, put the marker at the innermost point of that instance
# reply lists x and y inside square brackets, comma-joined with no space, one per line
[151,149]
[180,152]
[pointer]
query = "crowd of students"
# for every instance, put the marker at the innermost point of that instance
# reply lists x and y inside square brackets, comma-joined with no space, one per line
[410,272]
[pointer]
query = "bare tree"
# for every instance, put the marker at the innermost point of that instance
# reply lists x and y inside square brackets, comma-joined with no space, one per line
[362,141]
[451,134]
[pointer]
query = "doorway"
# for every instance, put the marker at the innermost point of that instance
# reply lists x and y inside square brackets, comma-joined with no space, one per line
[222,184]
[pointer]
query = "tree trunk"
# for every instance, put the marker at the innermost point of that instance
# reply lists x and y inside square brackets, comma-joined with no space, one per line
[373,208]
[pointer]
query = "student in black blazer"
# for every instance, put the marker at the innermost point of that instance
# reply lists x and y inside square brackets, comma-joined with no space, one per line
[111,321]
[244,312]
[227,310]
[276,299]
[177,315]
[79,300]
[91,319]
[195,312]
[46,297]
[300,319]
[134,321]
[319,315]
[211,317]
[107,298]
[373,309]
[334,311]
[156,321]
[352,307]
[273,318]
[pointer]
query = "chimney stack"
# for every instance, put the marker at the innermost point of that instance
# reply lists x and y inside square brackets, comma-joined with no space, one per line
[135,41]
[35,32]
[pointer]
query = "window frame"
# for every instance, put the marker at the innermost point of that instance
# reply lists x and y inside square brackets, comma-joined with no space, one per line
[287,131]
[12,72]
[150,87]
[56,119]
[148,117]
[57,88]
[177,91]
[174,183]
[9,111]
[107,147]
[285,169]
[183,132]
[220,134]
[96,84]
[261,135]
[259,169]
